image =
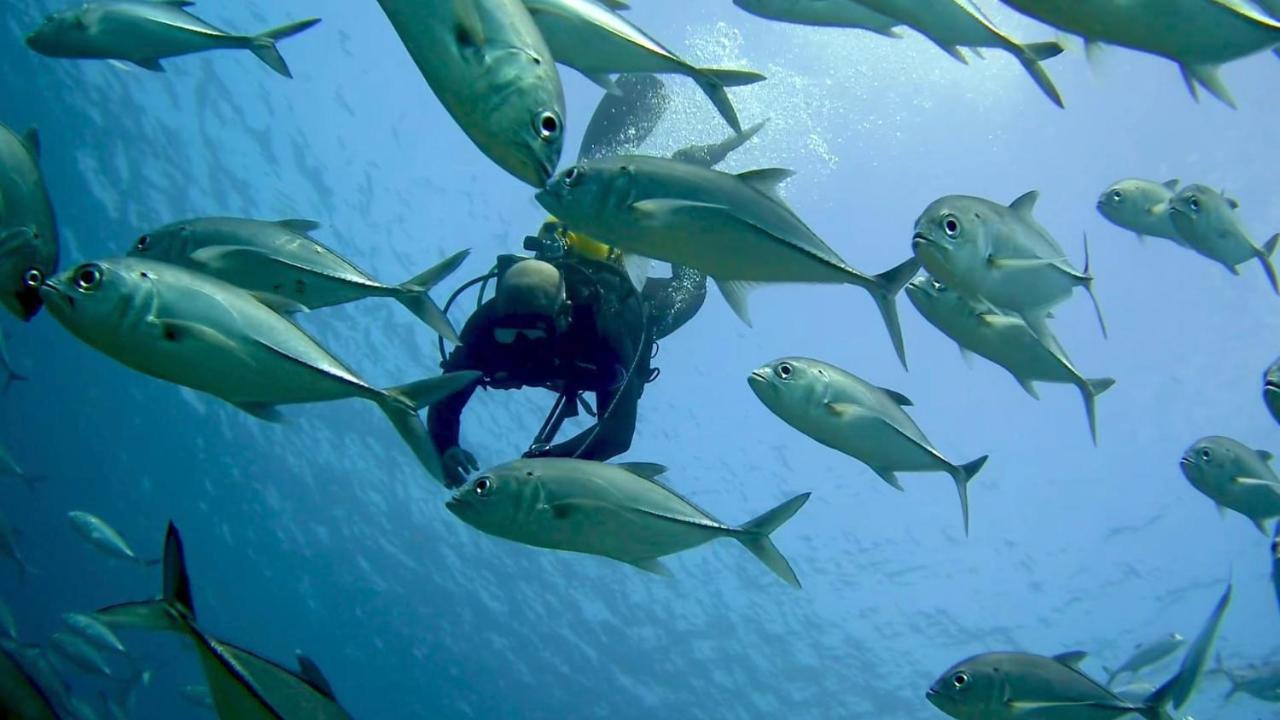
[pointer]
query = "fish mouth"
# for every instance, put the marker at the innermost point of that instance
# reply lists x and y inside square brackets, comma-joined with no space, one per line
[1186,461]
[758,375]
[1272,385]
[51,293]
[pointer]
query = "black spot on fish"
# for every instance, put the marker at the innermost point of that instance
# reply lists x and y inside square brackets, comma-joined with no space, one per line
[300,286]
[170,334]
[560,512]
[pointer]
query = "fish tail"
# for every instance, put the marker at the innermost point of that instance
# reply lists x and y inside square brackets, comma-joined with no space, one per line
[962,474]
[1031,57]
[401,405]
[1111,675]
[1221,667]
[755,533]
[714,81]
[884,290]
[414,296]
[264,45]
[1087,282]
[1089,392]
[174,611]
[1264,257]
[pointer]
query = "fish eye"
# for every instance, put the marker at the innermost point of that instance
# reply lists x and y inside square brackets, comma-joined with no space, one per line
[483,486]
[951,225]
[143,243]
[1117,195]
[960,679]
[784,370]
[1206,454]
[33,277]
[1194,203]
[937,286]
[547,125]
[573,176]
[89,278]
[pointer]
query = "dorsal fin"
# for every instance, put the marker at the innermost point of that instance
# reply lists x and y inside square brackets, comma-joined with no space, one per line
[1171,184]
[767,180]
[1266,456]
[310,671]
[898,397]
[177,585]
[31,138]
[1071,659]
[648,471]
[1025,203]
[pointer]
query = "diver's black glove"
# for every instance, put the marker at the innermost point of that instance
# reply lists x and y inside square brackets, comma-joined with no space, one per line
[458,463]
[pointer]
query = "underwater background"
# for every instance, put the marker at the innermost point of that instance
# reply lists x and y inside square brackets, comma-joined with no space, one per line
[323,534]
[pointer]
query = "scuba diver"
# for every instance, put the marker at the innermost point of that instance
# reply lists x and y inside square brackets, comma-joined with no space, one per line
[570,320]
[578,317]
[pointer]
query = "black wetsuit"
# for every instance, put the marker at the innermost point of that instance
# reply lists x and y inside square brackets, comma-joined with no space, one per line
[606,350]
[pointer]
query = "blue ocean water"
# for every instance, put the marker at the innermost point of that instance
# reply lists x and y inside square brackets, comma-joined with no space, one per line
[323,534]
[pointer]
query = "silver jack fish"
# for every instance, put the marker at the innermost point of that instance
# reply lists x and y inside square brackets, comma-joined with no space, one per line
[713,154]
[953,24]
[80,653]
[823,13]
[1005,340]
[1234,477]
[1142,207]
[999,256]
[1146,655]
[600,43]
[616,511]
[1198,35]
[104,538]
[94,631]
[286,269]
[242,685]
[1260,681]
[490,67]
[144,32]
[1023,686]
[735,228]
[865,422]
[623,121]
[199,332]
[28,229]
[1207,222]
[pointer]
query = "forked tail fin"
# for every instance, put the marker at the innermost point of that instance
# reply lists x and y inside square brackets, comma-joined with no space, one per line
[754,536]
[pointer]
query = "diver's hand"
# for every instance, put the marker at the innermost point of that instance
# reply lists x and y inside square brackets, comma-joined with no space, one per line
[458,463]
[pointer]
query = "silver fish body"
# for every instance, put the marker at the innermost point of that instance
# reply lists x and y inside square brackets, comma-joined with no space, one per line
[599,43]
[1141,206]
[196,331]
[620,512]
[104,538]
[823,13]
[999,256]
[285,268]
[1024,686]
[28,228]
[490,67]
[1208,224]
[953,24]
[1234,477]
[848,414]
[1197,35]
[241,684]
[1146,655]
[1005,340]
[144,33]
[732,227]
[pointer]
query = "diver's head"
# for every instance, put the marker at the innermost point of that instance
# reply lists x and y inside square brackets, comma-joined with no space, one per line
[533,291]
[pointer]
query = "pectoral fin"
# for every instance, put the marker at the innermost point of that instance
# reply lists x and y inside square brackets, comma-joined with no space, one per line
[177,331]
[661,207]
